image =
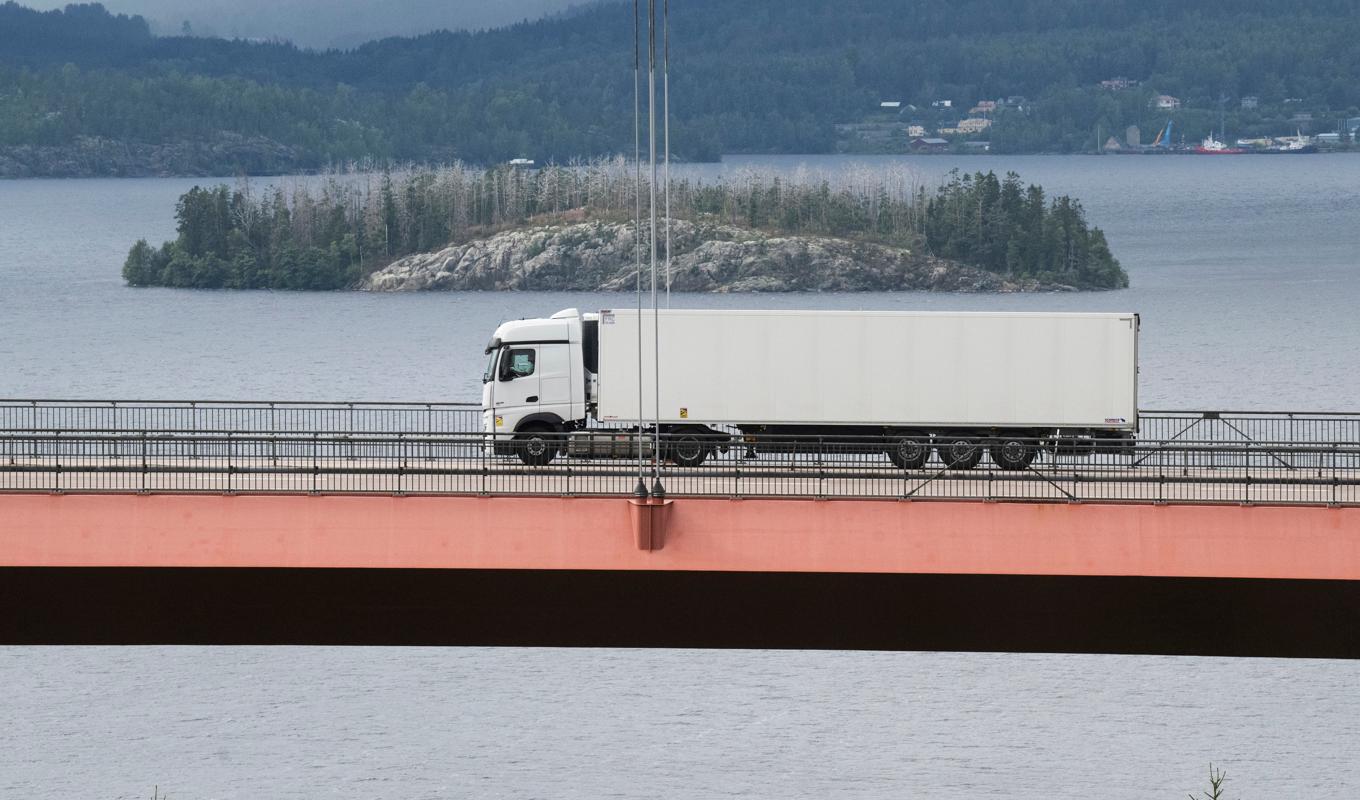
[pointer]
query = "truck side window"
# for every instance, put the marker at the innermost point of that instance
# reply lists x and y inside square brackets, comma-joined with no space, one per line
[521,363]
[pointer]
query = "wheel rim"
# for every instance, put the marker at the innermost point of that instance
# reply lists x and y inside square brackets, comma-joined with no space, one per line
[536,446]
[961,449]
[1014,452]
[910,449]
[688,449]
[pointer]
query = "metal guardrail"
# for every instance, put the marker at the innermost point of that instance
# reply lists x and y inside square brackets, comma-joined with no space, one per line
[248,416]
[282,416]
[1174,469]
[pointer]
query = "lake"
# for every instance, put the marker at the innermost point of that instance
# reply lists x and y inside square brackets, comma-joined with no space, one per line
[1246,272]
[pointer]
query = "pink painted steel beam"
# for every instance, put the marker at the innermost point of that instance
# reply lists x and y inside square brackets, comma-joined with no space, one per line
[788,536]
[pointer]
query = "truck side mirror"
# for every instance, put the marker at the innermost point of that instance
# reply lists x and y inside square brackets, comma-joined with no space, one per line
[503,371]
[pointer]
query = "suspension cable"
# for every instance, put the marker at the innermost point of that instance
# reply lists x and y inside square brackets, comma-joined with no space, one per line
[641,489]
[657,489]
[666,129]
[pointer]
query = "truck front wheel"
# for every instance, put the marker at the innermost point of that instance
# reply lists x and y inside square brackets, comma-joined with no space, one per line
[537,445]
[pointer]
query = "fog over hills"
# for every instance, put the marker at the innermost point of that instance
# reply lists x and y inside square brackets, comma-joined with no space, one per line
[325,23]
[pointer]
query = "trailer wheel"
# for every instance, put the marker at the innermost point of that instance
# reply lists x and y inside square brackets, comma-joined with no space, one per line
[909,452]
[1013,453]
[537,445]
[959,452]
[688,449]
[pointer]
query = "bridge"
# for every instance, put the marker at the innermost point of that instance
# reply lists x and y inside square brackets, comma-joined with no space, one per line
[1234,533]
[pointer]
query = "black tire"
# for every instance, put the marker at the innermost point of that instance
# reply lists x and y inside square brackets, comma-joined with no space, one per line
[537,445]
[909,452]
[688,449]
[1013,453]
[959,452]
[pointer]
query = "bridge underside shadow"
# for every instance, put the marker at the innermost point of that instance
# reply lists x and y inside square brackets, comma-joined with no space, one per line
[578,608]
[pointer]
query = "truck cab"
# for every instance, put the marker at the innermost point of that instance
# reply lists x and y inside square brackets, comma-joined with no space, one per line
[538,380]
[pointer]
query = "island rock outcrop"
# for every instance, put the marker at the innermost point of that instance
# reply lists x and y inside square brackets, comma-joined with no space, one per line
[704,258]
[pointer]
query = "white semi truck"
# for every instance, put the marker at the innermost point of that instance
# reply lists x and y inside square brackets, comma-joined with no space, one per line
[958,384]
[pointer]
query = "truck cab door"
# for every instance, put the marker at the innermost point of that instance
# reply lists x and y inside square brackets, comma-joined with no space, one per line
[518,384]
[554,370]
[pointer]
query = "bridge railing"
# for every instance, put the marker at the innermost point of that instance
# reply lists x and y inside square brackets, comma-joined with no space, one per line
[265,416]
[437,418]
[1175,469]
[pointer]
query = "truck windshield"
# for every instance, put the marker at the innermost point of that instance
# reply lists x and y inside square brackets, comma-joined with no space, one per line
[490,373]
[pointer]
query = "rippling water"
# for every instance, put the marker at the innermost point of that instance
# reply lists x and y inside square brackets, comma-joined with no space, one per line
[1246,272]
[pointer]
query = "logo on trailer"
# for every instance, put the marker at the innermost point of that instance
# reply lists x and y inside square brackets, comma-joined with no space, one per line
[684,413]
[606,317]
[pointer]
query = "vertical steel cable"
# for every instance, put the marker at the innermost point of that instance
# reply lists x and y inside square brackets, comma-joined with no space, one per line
[666,129]
[656,315]
[641,489]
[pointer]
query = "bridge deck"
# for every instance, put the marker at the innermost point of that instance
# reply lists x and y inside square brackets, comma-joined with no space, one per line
[505,476]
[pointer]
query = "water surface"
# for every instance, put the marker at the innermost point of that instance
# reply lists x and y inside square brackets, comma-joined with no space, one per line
[1245,271]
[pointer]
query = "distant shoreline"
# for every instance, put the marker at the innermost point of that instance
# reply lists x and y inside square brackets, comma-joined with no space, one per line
[254,158]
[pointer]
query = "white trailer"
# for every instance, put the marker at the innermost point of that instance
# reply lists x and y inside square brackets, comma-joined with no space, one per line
[954,382]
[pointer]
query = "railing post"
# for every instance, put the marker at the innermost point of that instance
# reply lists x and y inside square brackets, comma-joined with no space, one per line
[145,466]
[485,441]
[821,468]
[991,478]
[1335,478]
[571,471]
[1161,475]
[429,433]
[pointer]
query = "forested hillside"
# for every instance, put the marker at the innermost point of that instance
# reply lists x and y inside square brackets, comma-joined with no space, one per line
[757,76]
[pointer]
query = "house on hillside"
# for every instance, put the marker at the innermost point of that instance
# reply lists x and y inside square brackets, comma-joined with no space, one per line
[925,144]
[983,108]
[973,125]
[942,104]
[1166,102]
[916,131]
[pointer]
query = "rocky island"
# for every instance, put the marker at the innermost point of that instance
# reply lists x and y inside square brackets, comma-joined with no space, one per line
[571,229]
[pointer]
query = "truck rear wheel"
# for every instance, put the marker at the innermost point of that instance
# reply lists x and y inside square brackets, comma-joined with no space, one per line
[1013,452]
[909,452]
[959,452]
[688,449]
[537,445]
